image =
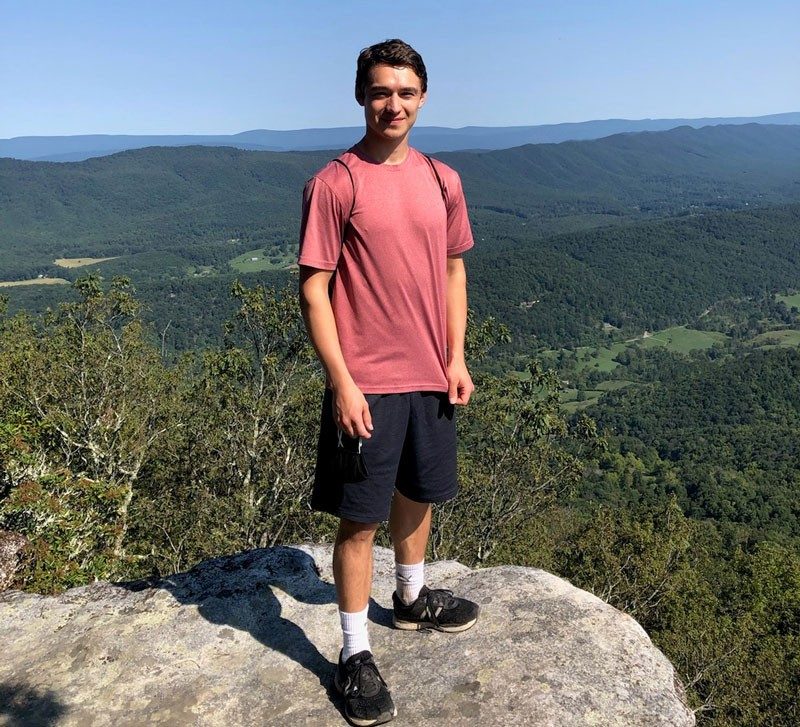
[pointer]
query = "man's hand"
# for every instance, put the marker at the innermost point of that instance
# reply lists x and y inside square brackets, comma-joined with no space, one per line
[351,411]
[460,386]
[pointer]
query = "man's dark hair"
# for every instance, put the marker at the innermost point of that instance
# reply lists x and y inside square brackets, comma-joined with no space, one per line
[390,53]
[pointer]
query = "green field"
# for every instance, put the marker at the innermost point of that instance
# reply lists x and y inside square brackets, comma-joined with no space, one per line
[601,359]
[790,300]
[256,261]
[570,403]
[770,339]
[682,339]
[678,338]
[604,386]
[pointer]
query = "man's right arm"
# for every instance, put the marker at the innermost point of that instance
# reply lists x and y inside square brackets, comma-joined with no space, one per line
[350,408]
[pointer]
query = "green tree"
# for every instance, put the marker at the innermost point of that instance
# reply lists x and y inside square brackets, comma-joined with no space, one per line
[89,396]
[518,454]
[242,465]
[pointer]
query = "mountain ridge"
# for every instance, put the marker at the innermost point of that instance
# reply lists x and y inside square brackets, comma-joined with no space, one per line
[427,138]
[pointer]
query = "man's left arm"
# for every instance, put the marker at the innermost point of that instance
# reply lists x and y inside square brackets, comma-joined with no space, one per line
[460,385]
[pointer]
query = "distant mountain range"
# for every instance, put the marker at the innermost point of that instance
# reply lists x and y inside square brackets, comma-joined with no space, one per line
[426,138]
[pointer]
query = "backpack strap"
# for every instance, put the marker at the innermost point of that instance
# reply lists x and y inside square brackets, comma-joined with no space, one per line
[352,181]
[438,178]
[346,222]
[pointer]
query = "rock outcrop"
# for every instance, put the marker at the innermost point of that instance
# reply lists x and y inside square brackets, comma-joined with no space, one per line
[252,639]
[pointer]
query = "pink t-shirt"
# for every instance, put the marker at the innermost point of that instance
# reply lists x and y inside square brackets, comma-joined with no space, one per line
[389,291]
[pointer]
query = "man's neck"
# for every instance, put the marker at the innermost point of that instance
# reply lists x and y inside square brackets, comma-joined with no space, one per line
[383,151]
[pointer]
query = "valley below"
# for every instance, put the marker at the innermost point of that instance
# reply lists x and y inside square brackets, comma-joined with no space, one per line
[634,339]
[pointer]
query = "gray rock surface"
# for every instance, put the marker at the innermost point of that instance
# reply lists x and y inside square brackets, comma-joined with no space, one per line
[252,639]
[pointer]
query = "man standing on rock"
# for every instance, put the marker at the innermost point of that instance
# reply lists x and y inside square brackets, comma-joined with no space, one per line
[383,293]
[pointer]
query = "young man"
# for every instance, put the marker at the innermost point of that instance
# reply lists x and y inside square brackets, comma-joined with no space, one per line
[389,328]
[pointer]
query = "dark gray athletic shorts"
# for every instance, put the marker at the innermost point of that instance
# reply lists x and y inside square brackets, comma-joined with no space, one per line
[412,449]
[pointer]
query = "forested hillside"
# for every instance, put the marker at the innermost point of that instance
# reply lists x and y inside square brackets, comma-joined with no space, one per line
[566,242]
[633,276]
[728,431]
[198,206]
[634,340]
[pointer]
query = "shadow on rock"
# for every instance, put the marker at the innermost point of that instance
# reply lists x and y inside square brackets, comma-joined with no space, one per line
[238,591]
[25,706]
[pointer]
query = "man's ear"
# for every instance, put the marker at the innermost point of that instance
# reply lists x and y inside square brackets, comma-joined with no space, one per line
[423,98]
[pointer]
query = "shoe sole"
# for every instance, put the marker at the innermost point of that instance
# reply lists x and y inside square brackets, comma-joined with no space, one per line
[422,625]
[357,721]
[383,719]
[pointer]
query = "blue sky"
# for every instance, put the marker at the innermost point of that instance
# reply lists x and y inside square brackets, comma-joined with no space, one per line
[175,66]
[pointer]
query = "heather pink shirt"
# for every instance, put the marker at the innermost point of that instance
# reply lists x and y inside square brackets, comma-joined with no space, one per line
[389,291]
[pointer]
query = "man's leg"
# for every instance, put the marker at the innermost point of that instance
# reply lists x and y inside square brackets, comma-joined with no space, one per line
[366,696]
[427,474]
[352,572]
[409,526]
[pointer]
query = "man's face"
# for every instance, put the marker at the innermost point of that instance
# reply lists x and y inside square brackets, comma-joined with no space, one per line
[392,98]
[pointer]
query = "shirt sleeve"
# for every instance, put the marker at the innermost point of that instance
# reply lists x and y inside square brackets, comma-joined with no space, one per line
[459,231]
[322,226]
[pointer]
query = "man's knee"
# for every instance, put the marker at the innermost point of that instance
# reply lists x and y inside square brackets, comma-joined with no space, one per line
[355,533]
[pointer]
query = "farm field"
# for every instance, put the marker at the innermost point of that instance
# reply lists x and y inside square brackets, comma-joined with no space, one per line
[256,261]
[79,262]
[34,281]
[790,300]
[570,403]
[678,338]
[569,397]
[771,339]
[682,339]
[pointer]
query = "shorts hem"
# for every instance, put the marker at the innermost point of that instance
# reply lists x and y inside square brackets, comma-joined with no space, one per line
[363,519]
[435,500]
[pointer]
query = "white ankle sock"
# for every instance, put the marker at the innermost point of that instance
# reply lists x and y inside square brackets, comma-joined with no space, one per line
[409,580]
[354,631]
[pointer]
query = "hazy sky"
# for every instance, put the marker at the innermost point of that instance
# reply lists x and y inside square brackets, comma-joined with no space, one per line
[175,66]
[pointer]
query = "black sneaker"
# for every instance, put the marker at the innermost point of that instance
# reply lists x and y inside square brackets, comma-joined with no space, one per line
[367,700]
[435,609]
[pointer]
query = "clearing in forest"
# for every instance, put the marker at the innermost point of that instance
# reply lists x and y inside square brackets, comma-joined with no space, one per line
[34,281]
[257,260]
[770,339]
[79,262]
[790,300]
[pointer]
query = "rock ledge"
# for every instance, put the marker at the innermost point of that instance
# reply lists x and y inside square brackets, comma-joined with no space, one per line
[251,639]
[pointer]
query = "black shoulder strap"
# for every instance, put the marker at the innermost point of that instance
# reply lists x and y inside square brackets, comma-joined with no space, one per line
[438,178]
[352,181]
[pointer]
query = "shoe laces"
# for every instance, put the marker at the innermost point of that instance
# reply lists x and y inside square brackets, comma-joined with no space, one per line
[363,679]
[441,598]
